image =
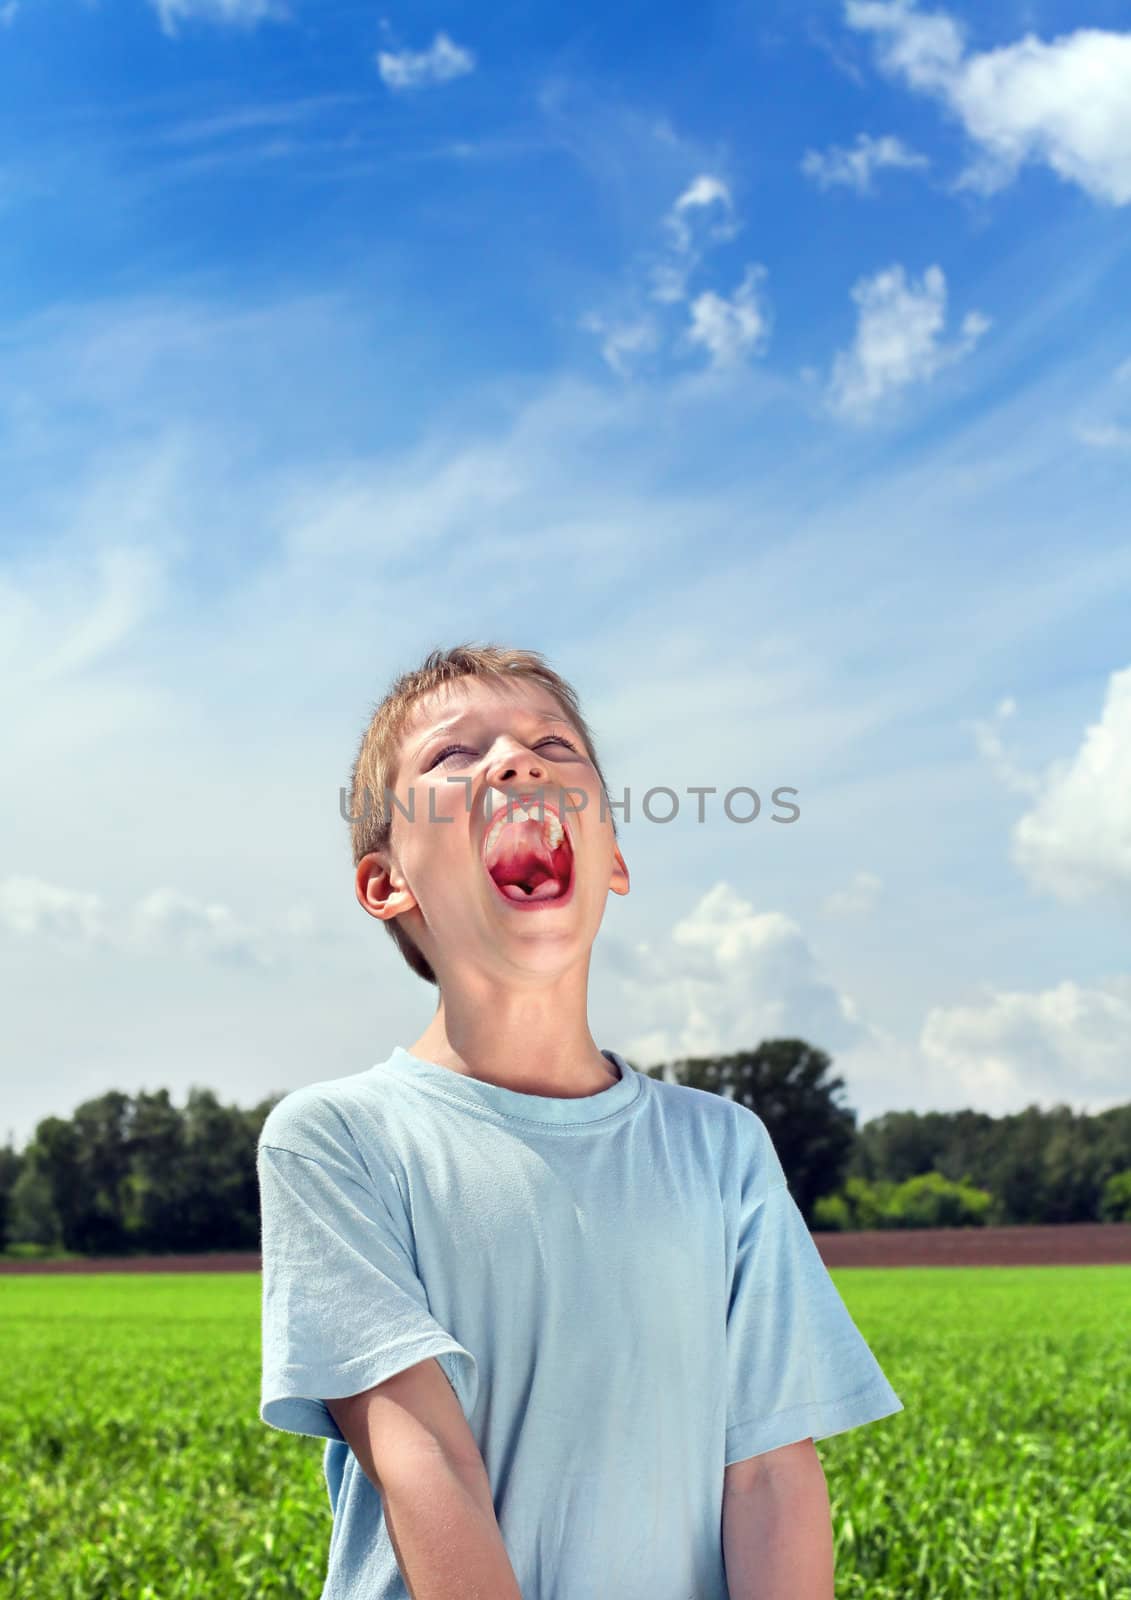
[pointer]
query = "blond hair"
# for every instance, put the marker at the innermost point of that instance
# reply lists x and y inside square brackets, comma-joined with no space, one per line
[374,773]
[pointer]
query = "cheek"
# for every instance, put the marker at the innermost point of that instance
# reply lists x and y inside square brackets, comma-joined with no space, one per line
[582,801]
[443,798]
[435,849]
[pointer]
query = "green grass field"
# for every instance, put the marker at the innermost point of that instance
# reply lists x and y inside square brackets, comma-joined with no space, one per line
[133,1465]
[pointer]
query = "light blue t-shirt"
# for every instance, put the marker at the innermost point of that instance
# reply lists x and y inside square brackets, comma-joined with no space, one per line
[619,1287]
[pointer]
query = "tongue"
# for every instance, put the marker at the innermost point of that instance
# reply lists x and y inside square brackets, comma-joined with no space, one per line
[549,890]
[525,869]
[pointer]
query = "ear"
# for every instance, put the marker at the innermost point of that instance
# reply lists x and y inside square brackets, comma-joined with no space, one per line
[380,889]
[618,882]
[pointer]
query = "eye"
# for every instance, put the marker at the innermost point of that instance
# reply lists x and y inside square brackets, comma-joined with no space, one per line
[451,749]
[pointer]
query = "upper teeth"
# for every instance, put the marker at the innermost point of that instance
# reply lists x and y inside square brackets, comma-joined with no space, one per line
[552,830]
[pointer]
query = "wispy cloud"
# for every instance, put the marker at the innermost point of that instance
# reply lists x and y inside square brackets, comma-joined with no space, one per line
[1064,104]
[705,194]
[1104,436]
[225,13]
[8,13]
[416,69]
[125,587]
[897,341]
[729,329]
[857,900]
[1114,398]
[991,746]
[699,218]
[623,342]
[252,118]
[855,167]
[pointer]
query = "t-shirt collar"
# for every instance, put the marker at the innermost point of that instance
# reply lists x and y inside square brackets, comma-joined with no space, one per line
[510,1103]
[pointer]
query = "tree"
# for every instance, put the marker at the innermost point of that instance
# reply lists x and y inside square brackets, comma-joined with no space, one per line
[32,1217]
[11,1163]
[155,1196]
[102,1129]
[221,1185]
[56,1147]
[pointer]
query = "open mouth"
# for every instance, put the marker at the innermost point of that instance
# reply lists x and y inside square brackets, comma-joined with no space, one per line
[529,856]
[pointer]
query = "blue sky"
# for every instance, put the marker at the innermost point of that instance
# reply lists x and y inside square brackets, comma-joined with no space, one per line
[768,368]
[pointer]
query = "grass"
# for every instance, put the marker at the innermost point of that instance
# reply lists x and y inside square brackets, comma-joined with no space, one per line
[133,1465]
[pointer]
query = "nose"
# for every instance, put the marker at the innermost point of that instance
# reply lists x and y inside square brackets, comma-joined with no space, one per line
[514,768]
[520,777]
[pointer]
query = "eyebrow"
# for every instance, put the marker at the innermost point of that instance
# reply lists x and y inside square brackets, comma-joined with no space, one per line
[458,722]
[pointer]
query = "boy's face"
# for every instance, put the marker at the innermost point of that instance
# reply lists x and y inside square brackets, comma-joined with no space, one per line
[470,749]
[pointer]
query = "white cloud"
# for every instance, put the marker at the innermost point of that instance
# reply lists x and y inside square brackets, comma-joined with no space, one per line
[252,118]
[1104,436]
[167,919]
[87,615]
[300,921]
[988,738]
[835,55]
[163,921]
[1075,843]
[669,280]
[1109,433]
[701,217]
[621,341]
[727,976]
[227,13]
[897,340]
[731,329]
[856,166]
[1066,103]
[857,900]
[703,193]
[413,69]
[248,686]
[29,906]
[1021,1048]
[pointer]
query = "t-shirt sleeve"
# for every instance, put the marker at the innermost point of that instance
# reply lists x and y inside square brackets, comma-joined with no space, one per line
[797,1365]
[343,1305]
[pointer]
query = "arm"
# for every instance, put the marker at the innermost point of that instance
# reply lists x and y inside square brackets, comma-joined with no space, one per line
[777,1526]
[412,1441]
[441,1521]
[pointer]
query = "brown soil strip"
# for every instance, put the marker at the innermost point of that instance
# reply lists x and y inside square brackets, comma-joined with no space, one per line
[1075,1244]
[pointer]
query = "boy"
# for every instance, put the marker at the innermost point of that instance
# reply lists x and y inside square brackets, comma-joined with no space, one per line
[561,1323]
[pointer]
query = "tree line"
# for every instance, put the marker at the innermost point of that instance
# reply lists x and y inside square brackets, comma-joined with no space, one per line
[135,1174]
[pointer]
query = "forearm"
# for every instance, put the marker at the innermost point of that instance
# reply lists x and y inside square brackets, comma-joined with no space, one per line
[778,1537]
[442,1524]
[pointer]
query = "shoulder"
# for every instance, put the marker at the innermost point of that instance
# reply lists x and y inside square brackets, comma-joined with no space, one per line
[681,1099]
[319,1120]
[708,1108]
[739,1138]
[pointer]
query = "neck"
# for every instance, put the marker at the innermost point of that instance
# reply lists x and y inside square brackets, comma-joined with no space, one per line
[535,1042]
